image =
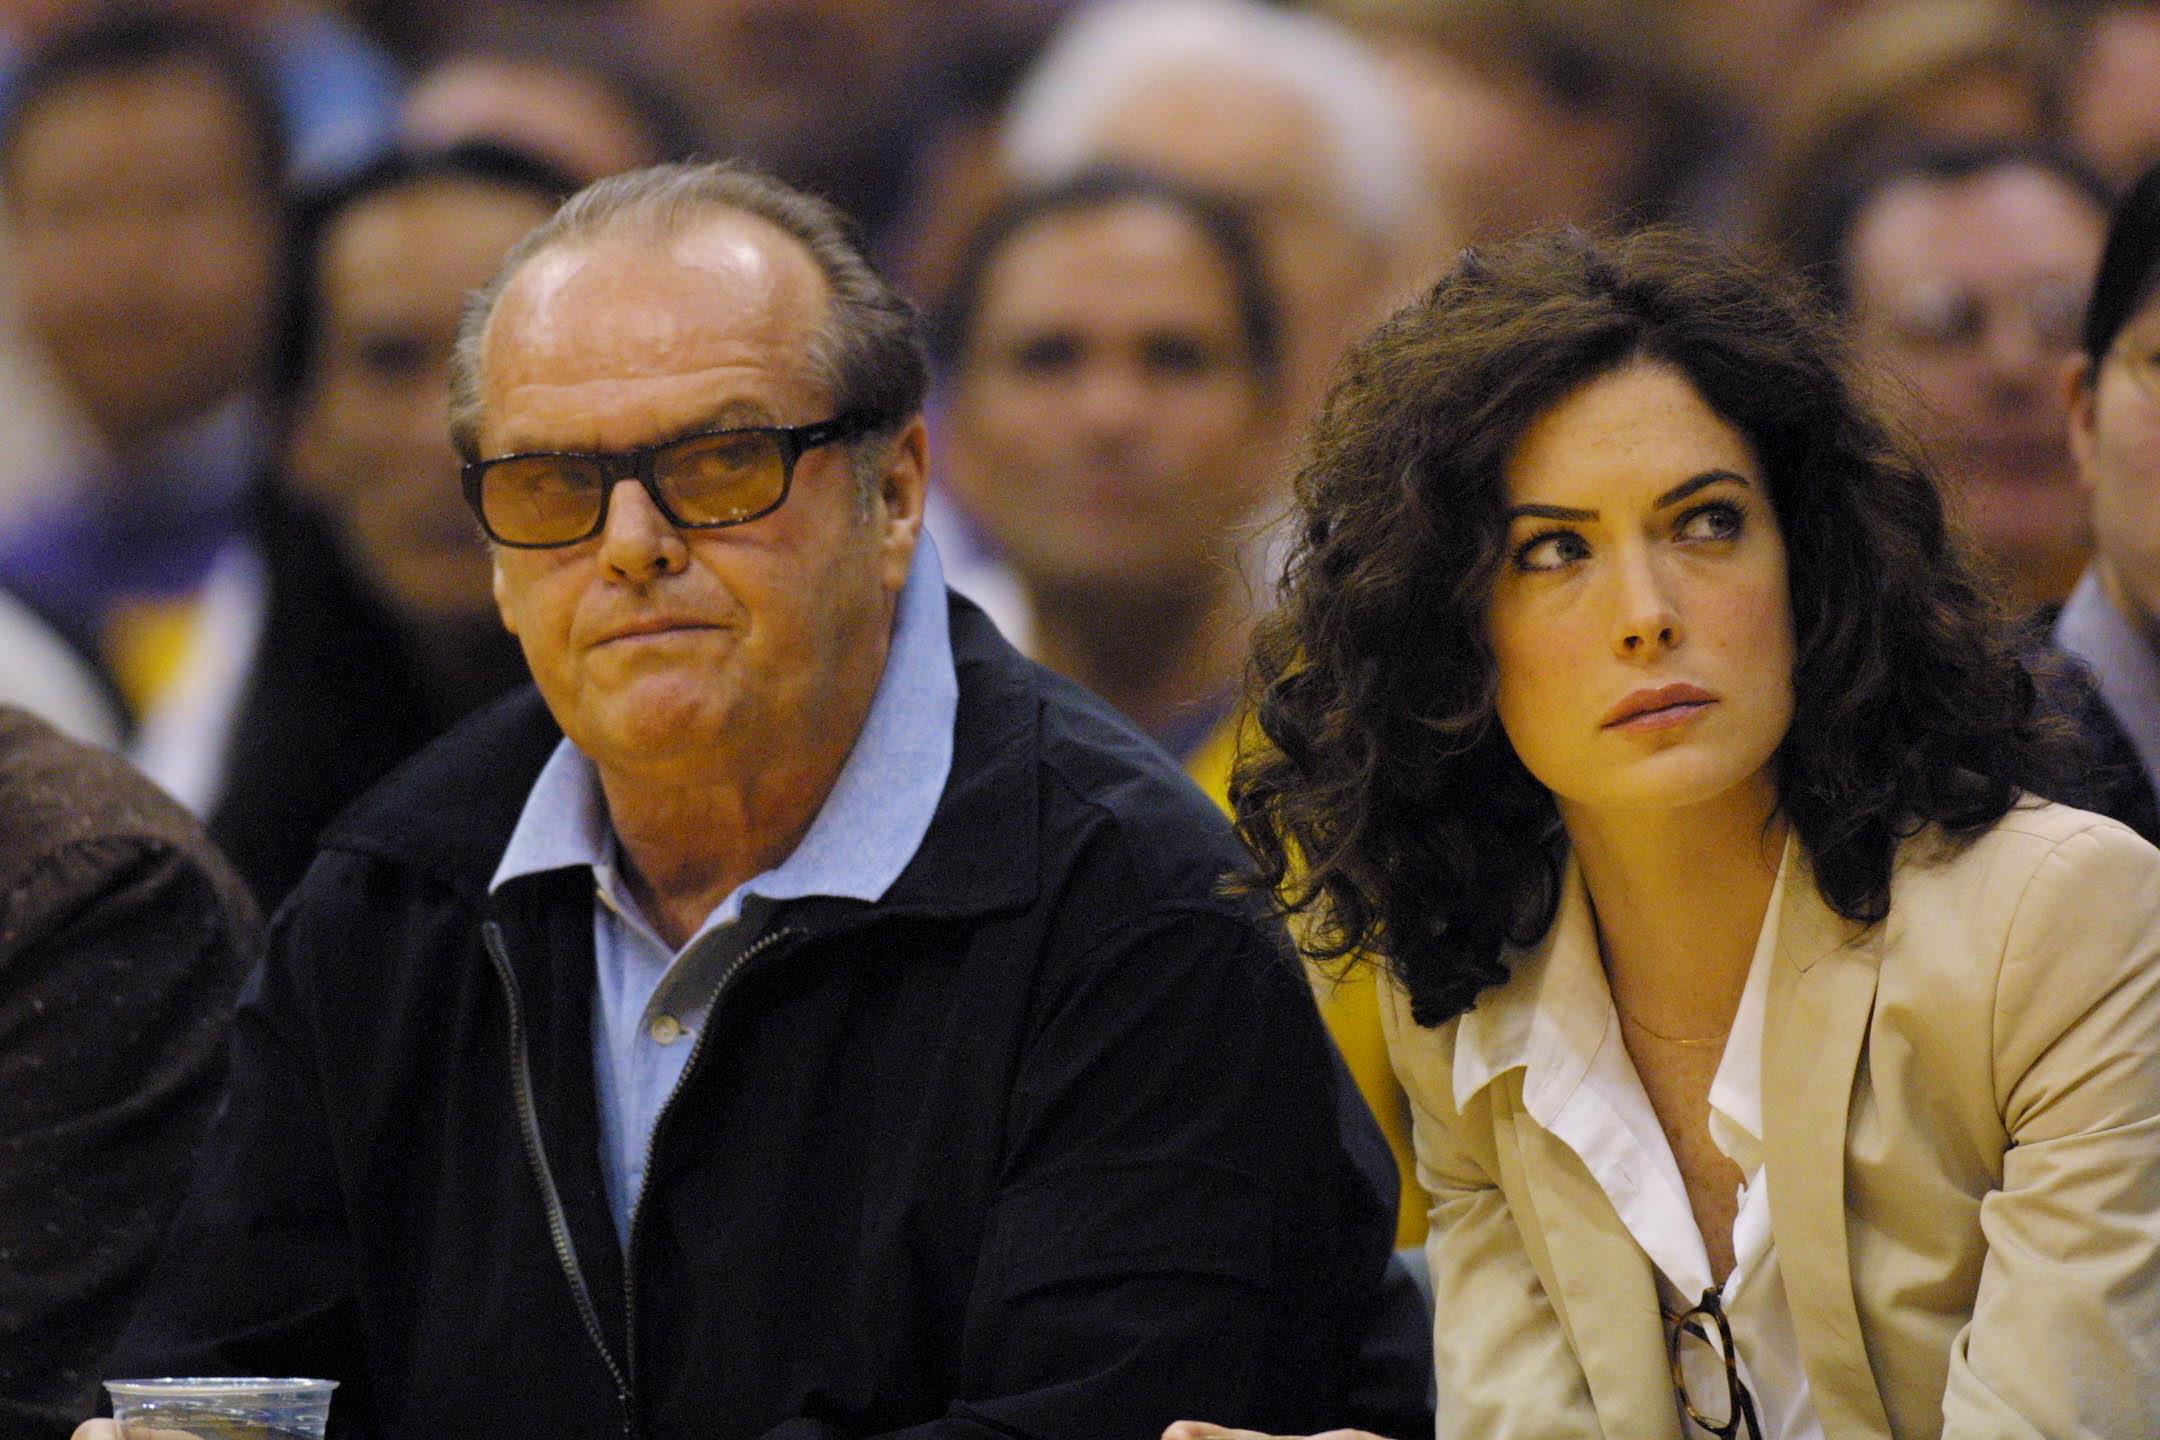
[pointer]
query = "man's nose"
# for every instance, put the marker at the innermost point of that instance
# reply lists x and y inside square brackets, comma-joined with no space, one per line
[637,542]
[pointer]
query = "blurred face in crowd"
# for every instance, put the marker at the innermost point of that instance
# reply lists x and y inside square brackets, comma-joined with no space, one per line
[1241,136]
[370,440]
[147,243]
[1108,425]
[2115,435]
[1968,294]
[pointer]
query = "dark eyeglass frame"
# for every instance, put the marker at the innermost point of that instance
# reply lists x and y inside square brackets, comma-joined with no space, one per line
[1740,1405]
[640,465]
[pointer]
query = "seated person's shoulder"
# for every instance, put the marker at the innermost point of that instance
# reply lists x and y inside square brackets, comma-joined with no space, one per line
[1103,779]
[76,820]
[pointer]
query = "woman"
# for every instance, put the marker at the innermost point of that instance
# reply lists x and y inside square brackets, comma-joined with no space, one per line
[1775,1060]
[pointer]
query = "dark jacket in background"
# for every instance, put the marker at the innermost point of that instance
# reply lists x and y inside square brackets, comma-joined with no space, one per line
[334,701]
[123,940]
[2112,781]
[1044,1143]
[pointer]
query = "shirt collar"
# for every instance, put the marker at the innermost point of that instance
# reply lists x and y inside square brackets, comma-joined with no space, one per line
[870,825]
[2128,673]
[1551,1016]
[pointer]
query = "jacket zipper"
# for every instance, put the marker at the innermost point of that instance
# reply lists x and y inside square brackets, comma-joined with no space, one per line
[750,952]
[536,1156]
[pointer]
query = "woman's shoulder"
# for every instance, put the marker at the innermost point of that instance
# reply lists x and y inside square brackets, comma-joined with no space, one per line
[2032,835]
[2046,881]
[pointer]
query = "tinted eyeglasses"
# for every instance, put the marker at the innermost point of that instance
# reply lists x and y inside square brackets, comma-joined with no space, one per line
[1693,1330]
[543,499]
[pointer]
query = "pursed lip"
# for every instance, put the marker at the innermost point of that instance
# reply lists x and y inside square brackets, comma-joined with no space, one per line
[1665,701]
[648,625]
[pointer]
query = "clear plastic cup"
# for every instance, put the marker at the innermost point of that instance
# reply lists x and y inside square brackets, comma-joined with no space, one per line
[222,1408]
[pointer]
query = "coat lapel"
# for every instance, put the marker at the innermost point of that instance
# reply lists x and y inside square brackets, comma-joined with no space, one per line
[1822,996]
[1605,1290]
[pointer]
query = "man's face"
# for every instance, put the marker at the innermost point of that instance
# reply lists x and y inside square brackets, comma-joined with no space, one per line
[147,244]
[370,441]
[662,650]
[2115,435]
[1108,426]
[1968,292]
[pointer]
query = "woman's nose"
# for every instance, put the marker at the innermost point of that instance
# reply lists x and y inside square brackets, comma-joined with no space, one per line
[1645,619]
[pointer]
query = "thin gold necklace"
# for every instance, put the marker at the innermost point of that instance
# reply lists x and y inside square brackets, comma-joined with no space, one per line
[1697,1043]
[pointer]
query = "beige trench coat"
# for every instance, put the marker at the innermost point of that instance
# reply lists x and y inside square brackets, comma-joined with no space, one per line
[1962,1116]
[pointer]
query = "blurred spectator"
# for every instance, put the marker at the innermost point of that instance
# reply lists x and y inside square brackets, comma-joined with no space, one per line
[957,176]
[832,95]
[1964,272]
[1748,54]
[335,88]
[1114,352]
[123,941]
[1280,109]
[1894,79]
[1539,112]
[142,161]
[2112,619]
[553,87]
[381,626]
[1115,366]
[2114,88]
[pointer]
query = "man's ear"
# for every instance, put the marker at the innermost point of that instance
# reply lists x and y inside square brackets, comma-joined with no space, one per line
[903,488]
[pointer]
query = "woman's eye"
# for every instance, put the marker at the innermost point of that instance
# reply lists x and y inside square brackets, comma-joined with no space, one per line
[1550,551]
[1720,521]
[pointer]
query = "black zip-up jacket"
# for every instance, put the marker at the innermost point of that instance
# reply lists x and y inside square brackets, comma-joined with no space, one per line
[1044,1143]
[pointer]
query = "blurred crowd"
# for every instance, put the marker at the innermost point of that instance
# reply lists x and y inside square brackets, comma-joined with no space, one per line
[235,256]
[238,235]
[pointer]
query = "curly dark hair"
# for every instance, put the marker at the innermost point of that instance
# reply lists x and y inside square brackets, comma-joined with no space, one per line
[1390,809]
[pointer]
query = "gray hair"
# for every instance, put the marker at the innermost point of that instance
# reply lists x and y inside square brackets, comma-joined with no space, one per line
[1109,51]
[868,352]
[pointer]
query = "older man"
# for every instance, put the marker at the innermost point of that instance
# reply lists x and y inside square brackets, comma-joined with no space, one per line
[803,1017]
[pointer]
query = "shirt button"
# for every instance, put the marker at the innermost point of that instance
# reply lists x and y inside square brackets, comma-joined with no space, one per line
[666,1030]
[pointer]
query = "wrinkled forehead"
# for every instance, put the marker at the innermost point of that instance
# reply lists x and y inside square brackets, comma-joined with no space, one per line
[631,303]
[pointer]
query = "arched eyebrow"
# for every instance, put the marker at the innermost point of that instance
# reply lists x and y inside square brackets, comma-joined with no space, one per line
[1671,497]
[1694,483]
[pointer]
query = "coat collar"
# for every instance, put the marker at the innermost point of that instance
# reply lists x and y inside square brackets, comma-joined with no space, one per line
[450,811]
[1821,999]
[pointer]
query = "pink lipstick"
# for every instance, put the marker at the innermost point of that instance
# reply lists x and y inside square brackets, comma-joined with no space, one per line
[1667,705]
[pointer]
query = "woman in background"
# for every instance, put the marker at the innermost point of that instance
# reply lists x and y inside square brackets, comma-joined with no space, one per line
[1780,1066]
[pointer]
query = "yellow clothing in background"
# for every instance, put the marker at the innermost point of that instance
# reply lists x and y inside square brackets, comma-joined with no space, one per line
[1350,1006]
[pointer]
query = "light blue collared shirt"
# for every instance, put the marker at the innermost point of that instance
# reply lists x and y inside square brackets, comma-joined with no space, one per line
[651,1002]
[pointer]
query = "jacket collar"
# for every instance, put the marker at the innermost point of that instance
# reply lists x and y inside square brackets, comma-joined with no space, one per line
[450,811]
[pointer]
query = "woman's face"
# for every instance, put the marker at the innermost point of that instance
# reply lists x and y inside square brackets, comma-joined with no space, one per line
[1641,623]
[2115,437]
